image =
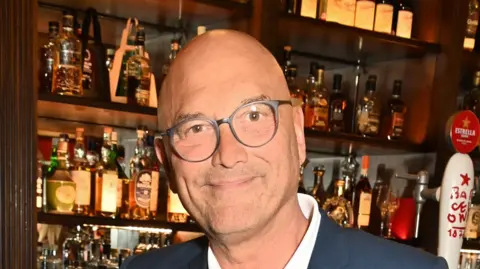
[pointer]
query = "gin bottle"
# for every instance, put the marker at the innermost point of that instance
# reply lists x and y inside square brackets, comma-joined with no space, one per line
[67,68]
[138,73]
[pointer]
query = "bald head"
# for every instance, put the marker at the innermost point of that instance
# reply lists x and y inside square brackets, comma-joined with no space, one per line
[218,61]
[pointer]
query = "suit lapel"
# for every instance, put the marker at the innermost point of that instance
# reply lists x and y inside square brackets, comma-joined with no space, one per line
[200,261]
[330,251]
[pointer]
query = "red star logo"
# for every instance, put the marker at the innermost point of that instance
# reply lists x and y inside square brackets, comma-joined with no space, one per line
[465,179]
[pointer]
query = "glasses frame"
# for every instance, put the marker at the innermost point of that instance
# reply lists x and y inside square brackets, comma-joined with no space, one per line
[228,120]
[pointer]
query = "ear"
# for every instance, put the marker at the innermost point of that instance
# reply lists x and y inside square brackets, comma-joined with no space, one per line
[161,149]
[298,122]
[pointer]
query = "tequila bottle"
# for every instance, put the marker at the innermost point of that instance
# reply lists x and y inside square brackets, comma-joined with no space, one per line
[61,189]
[338,208]
[47,60]
[107,180]
[67,68]
[368,111]
[138,73]
[81,176]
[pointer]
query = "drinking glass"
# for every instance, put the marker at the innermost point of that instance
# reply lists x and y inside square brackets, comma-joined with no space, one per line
[388,202]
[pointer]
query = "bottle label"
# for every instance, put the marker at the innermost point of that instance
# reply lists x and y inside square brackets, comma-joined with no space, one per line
[154,196]
[471,230]
[69,57]
[119,192]
[337,110]
[87,71]
[60,195]
[472,24]
[82,180]
[309,8]
[364,209]
[109,192]
[143,189]
[404,23]
[397,124]
[320,116]
[341,11]
[384,18]
[365,14]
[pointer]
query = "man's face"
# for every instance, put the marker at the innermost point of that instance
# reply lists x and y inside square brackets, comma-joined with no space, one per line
[239,188]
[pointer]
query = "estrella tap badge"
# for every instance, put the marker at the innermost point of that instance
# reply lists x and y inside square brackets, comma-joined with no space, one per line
[463,130]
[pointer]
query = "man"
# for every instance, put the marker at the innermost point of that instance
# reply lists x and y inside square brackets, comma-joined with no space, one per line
[232,147]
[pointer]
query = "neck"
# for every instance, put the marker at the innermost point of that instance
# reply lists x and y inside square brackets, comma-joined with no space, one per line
[270,247]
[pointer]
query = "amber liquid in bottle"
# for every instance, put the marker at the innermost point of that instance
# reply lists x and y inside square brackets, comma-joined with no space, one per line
[296,94]
[394,117]
[318,191]
[363,198]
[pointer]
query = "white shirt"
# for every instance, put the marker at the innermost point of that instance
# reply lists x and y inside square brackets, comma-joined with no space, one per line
[301,257]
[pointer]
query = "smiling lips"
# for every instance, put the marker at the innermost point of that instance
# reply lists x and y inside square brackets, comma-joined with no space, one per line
[231,183]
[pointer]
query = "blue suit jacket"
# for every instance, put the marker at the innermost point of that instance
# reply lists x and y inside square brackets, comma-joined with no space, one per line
[335,248]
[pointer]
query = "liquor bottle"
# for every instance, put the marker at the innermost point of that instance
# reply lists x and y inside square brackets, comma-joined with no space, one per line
[67,67]
[383,16]
[40,183]
[301,185]
[74,248]
[316,104]
[338,106]
[81,176]
[92,164]
[318,191]
[287,59]
[394,116]
[348,172]
[47,58]
[107,180]
[141,173]
[404,19]
[363,197]
[122,87]
[368,111]
[141,247]
[154,242]
[338,208]
[375,214]
[472,25]
[473,219]
[155,168]
[471,100]
[309,8]
[138,73]
[61,189]
[296,94]
[114,155]
[174,48]
[365,14]
[310,92]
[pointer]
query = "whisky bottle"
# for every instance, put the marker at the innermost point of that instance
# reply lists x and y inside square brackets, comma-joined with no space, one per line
[471,100]
[368,111]
[338,208]
[296,94]
[348,171]
[310,92]
[338,106]
[363,197]
[61,189]
[107,180]
[47,58]
[67,67]
[81,176]
[138,73]
[318,191]
[395,115]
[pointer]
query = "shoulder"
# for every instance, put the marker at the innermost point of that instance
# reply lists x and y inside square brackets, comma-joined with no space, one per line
[174,256]
[381,253]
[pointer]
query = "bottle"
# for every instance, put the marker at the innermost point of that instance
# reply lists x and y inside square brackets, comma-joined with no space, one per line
[348,171]
[404,19]
[375,214]
[471,101]
[368,111]
[363,197]
[338,208]
[309,8]
[92,164]
[473,219]
[316,107]
[141,247]
[301,186]
[472,25]
[61,189]
[318,191]
[395,115]
[109,60]
[67,67]
[287,60]
[73,249]
[338,106]
[47,58]
[310,92]
[141,173]
[138,73]
[296,94]
[114,156]
[107,180]
[383,16]
[365,14]
[155,168]
[174,48]
[81,176]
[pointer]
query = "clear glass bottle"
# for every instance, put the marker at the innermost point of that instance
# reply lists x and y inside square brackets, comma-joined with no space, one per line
[368,111]
[47,58]
[67,68]
[338,208]
[141,173]
[81,176]
[138,73]
[107,180]
[61,189]
[348,171]
[338,106]
[394,116]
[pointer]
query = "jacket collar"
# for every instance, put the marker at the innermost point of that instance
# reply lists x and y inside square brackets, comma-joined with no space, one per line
[200,261]
[331,250]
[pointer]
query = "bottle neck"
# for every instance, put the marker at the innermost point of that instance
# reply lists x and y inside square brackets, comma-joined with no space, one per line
[339,190]
[364,172]
[140,49]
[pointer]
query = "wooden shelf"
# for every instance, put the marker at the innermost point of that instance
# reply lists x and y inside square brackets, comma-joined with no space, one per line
[339,143]
[338,43]
[72,220]
[79,110]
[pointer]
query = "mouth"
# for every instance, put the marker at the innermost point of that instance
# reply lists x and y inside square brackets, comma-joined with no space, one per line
[231,183]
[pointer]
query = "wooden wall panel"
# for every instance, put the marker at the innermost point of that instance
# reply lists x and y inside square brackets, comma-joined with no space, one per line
[17,134]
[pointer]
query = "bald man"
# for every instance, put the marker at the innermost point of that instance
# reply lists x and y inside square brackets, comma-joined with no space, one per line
[232,144]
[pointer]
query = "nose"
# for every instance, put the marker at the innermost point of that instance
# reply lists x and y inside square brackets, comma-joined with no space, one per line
[229,152]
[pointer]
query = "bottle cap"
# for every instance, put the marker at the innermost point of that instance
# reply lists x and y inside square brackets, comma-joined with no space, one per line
[287,48]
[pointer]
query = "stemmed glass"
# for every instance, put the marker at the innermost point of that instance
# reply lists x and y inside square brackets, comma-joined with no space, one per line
[388,203]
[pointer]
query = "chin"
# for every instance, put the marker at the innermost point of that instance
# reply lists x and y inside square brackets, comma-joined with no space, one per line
[233,221]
